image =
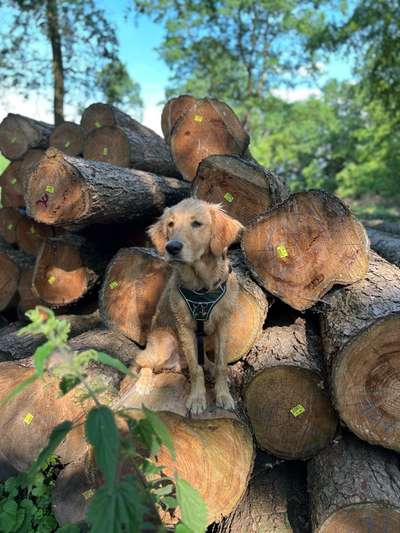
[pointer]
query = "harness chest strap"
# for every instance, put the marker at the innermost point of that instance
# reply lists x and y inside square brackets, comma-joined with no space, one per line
[200,305]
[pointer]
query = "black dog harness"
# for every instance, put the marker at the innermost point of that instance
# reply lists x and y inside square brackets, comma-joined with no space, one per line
[200,304]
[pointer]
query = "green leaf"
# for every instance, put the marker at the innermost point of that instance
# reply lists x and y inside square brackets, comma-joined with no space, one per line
[106,359]
[102,433]
[8,513]
[41,355]
[192,505]
[170,502]
[69,528]
[67,383]
[164,490]
[160,429]
[56,437]
[19,388]
[182,528]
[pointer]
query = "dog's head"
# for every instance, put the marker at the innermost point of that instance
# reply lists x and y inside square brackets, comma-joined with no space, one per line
[193,228]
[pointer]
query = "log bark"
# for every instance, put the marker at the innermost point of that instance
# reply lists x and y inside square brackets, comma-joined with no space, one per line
[30,235]
[114,137]
[66,269]
[386,227]
[208,127]
[275,501]
[9,219]
[10,183]
[354,487]
[66,190]
[133,285]
[12,264]
[15,347]
[18,134]
[172,111]
[284,392]
[299,249]
[244,188]
[385,244]
[360,327]
[68,137]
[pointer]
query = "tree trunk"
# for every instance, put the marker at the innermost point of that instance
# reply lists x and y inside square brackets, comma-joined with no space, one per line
[302,247]
[284,393]
[54,35]
[14,346]
[10,183]
[66,269]
[30,235]
[18,134]
[68,137]
[275,501]
[208,127]
[12,263]
[354,487]
[172,111]
[385,244]
[66,190]
[9,219]
[244,188]
[360,327]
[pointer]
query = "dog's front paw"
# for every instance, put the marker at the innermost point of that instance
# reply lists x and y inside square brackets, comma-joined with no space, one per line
[225,400]
[196,403]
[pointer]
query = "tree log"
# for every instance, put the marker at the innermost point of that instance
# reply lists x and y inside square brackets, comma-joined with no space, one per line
[9,219]
[208,127]
[354,487]
[385,244]
[133,285]
[386,227]
[244,188]
[68,137]
[29,164]
[299,249]
[15,347]
[114,137]
[66,269]
[275,501]
[18,134]
[27,298]
[30,235]
[12,264]
[360,327]
[80,191]
[289,410]
[10,183]
[172,111]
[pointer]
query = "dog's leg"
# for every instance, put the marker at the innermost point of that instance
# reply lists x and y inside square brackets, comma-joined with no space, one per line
[196,402]
[222,394]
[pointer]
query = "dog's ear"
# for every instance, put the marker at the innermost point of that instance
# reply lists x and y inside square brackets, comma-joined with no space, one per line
[224,230]
[158,235]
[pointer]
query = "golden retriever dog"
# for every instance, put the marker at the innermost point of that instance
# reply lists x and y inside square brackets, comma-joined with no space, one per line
[193,236]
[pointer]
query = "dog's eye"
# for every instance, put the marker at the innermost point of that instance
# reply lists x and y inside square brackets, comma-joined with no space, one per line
[170,224]
[196,224]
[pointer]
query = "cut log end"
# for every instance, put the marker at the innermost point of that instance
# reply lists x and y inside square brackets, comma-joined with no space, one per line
[11,189]
[132,288]
[13,142]
[363,517]
[305,245]
[367,383]
[96,116]
[173,110]
[30,235]
[54,194]
[27,298]
[290,413]
[9,276]
[68,137]
[9,219]
[60,277]
[108,144]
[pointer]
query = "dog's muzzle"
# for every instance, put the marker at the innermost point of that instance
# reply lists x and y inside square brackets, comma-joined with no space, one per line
[174,247]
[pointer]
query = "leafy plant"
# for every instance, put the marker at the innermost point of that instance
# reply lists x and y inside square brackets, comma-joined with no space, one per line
[126,501]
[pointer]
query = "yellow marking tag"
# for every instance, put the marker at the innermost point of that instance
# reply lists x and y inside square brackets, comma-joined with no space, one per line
[49,188]
[282,252]
[228,197]
[198,118]
[105,151]
[113,284]
[97,124]
[28,418]
[13,140]
[10,227]
[13,181]
[51,280]
[33,231]
[88,494]
[297,410]
[67,144]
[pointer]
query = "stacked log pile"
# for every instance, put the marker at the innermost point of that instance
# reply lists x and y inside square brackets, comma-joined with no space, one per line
[314,349]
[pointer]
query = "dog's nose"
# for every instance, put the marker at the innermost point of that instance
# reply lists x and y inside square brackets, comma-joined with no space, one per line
[174,247]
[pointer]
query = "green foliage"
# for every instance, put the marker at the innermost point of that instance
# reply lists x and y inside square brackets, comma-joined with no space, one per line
[125,502]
